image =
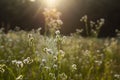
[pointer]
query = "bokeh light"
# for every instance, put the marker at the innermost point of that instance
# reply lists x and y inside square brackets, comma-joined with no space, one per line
[32,0]
[51,3]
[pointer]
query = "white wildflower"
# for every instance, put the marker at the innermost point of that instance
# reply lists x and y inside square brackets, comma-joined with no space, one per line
[2,70]
[14,61]
[55,66]
[43,60]
[74,67]
[19,64]
[27,60]
[57,32]
[20,77]
[54,58]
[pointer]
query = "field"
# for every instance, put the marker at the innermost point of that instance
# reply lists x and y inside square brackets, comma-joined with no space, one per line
[32,56]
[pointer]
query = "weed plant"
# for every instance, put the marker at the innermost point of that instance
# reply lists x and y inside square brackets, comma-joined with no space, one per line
[32,56]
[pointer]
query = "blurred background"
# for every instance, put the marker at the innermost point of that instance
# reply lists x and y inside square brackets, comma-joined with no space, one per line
[28,14]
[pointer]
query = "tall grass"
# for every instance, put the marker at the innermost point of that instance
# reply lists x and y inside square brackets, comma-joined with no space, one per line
[32,56]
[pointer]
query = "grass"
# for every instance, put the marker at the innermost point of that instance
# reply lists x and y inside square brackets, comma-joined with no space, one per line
[32,56]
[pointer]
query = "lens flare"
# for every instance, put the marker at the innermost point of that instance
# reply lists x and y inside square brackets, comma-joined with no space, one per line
[51,3]
[32,0]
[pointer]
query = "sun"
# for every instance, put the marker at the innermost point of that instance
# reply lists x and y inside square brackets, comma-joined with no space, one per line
[51,3]
[32,0]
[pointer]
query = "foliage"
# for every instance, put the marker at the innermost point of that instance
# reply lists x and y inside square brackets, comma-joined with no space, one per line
[52,20]
[32,56]
[91,28]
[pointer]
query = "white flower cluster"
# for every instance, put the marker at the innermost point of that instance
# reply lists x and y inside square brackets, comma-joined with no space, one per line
[63,76]
[74,67]
[2,70]
[48,51]
[84,18]
[101,22]
[28,60]
[117,76]
[20,77]
[52,18]
[52,76]
[31,39]
[44,61]
[61,52]
[57,32]
[20,64]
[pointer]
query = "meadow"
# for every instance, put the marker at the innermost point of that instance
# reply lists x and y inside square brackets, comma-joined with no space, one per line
[28,55]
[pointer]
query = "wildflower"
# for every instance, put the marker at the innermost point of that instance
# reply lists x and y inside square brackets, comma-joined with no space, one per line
[86,53]
[2,70]
[106,44]
[30,35]
[52,19]
[14,61]
[45,49]
[10,40]
[20,77]
[57,38]
[64,37]
[92,23]
[63,76]
[47,68]
[44,61]
[79,31]
[31,40]
[98,51]
[19,64]
[55,66]
[98,62]
[59,22]
[57,32]
[62,53]
[27,60]
[54,58]
[117,76]
[48,51]
[51,74]
[102,21]
[84,18]
[39,29]
[74,67]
